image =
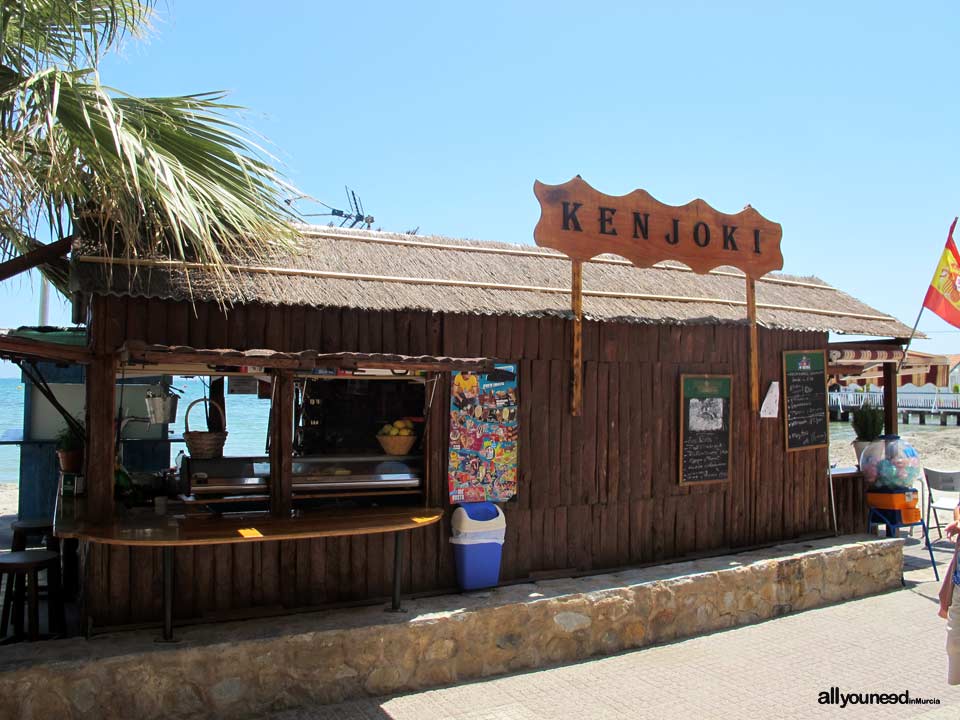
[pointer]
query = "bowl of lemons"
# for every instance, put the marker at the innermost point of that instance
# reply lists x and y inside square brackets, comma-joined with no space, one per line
[398,437]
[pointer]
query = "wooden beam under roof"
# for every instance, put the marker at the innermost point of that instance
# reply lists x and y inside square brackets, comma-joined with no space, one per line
[27,261]
[135,352]
[15,347]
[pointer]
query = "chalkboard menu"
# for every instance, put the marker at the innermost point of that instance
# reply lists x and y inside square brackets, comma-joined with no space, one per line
[705,428]
[805,398]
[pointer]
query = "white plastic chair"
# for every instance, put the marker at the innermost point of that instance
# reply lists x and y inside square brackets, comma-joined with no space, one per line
[941,481]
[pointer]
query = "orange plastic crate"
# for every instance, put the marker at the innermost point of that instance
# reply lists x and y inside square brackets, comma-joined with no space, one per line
[893,501]
[910,515]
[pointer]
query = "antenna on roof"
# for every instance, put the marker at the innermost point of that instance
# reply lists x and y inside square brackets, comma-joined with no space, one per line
[355,216]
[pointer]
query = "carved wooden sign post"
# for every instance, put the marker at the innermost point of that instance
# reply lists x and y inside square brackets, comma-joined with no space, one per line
[582,223]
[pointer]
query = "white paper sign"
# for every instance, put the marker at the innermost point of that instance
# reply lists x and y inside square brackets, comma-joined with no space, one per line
[771,403]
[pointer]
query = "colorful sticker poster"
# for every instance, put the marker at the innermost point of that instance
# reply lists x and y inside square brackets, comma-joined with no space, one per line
[483,435]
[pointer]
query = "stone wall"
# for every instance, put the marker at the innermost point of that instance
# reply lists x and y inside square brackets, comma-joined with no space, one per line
[235,670]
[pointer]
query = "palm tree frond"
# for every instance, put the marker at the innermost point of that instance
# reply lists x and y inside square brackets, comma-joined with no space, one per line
[170,175]
[72,33]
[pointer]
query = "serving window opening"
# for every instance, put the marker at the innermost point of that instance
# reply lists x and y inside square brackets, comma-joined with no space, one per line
[362,436]
[358,438]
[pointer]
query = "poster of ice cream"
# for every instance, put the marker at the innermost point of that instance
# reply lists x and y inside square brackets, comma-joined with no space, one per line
[483,435]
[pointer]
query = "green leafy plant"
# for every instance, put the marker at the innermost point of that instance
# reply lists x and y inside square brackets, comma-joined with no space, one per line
[71,438]
[956,388]
[868,422]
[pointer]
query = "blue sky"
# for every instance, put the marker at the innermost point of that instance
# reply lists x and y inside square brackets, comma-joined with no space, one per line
[838,122]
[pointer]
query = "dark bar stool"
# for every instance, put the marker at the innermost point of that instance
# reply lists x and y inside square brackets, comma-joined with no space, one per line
[38,529]
[24,530]
[22,569]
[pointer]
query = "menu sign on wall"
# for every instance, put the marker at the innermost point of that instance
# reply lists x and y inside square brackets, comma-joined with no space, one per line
[805,399]
[705,407]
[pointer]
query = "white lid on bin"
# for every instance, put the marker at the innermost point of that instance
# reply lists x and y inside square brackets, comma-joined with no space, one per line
[477,517]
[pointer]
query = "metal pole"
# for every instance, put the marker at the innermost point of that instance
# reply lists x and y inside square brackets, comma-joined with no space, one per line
[44,301]
[168,593]
[833,502]
[397,570]
[905,349]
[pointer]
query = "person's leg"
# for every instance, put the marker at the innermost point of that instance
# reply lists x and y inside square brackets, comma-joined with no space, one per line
[953,639]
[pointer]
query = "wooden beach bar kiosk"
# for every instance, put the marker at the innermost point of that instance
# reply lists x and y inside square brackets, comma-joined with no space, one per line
[639,433]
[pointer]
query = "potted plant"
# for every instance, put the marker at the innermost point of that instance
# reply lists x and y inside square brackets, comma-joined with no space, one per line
[868,425]
[70,444]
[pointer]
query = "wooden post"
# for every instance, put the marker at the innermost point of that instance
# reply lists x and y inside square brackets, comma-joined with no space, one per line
[214,423]
[100,453]
[890,380]
[281,445]
[753,423]
[754,349]
[576,387]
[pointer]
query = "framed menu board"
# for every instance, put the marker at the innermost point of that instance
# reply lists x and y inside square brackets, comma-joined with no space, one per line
[705,426]
[805,419]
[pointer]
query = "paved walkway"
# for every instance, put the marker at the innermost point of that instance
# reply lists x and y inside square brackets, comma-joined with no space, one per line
[774,669]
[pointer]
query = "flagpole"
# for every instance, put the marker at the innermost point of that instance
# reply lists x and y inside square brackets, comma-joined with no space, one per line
[912,333]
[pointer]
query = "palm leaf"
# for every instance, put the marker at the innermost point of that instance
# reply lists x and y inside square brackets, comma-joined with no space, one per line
[173,176]
[34,33]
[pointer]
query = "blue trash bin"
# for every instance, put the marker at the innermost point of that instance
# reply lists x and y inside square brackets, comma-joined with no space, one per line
[478,533]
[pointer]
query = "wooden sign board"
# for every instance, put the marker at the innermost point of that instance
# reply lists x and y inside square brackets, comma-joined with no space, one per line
[705,428]
[805,417]
[582,223]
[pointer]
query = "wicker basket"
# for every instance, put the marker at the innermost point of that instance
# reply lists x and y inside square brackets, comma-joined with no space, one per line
[396,444]
[204,445]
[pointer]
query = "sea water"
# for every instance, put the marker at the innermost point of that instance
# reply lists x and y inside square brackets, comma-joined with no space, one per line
[11,418]
[247,418]
[841,433]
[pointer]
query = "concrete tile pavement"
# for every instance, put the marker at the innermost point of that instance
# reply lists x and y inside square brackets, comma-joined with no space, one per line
[776,669]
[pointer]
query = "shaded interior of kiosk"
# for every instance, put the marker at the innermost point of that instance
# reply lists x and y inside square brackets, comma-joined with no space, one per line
[337,457]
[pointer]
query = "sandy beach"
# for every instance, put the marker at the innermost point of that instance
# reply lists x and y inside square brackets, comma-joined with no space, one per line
[8,498]
[939,450]
[8,511]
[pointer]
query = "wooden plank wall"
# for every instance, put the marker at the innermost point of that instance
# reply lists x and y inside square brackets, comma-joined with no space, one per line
[597,491]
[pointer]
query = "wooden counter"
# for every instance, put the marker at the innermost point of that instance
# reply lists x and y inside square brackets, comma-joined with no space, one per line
[142,526]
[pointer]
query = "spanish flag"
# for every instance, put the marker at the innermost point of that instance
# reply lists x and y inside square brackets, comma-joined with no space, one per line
[943,295]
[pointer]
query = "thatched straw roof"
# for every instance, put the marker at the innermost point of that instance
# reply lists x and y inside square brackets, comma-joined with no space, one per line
[384,271]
